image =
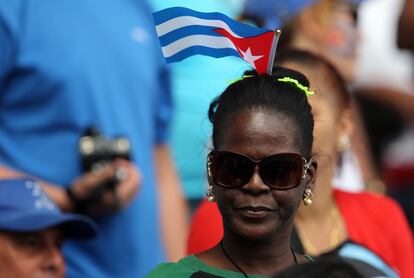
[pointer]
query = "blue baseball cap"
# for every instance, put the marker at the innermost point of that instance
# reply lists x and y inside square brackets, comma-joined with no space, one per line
[25,207]
[275,13]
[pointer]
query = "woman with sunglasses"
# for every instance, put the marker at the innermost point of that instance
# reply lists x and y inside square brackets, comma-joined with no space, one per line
[335,216]
[259,171]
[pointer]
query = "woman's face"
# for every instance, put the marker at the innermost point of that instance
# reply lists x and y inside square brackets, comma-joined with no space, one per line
[255,211]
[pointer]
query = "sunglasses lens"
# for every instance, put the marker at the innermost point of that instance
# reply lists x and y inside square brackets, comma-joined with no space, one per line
[282,171]
[231,169]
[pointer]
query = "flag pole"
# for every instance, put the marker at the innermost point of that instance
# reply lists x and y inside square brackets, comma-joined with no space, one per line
[273,51]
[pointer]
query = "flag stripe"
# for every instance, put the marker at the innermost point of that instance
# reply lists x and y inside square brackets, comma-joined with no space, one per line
[197,40]
[173,15]
[184,21]
[187,31]
[169,13]
[202,50]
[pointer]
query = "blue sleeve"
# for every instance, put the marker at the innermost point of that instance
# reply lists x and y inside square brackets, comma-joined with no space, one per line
[164,109]
[8,41]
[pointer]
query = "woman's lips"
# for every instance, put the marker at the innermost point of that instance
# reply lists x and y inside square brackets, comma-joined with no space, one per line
[255,211]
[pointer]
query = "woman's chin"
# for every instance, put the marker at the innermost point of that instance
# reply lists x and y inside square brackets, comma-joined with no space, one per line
[255,230]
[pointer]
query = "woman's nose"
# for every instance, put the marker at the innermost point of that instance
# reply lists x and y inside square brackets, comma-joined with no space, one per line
[256,185]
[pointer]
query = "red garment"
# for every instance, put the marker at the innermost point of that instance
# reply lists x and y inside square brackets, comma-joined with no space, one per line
[374,221]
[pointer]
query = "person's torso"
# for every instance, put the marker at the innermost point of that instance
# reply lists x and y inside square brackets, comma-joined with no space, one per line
[78,64]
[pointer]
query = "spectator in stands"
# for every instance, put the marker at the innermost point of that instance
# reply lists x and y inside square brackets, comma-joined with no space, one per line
[32,230]
[260,170]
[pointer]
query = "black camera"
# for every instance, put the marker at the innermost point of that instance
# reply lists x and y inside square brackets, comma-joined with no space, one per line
[97,151]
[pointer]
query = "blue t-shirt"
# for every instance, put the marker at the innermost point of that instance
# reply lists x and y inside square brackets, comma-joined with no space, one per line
[70,64]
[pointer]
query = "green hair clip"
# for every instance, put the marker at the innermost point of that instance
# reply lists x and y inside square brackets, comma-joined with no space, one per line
[295,82]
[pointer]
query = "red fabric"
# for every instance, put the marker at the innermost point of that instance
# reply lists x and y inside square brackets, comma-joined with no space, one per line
[374,221]
[378,223]
[398,177]
[260,47]
[206,228]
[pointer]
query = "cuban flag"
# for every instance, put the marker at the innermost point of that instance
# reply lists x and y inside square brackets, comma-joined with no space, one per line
[184,32]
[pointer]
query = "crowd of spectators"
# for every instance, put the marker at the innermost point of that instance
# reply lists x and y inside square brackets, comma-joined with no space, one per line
[101,140]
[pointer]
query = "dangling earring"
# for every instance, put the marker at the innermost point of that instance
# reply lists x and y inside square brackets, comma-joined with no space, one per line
[307,197]
[210,193]
[344,143]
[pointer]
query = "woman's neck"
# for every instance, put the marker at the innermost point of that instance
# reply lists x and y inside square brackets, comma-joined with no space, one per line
[255,257]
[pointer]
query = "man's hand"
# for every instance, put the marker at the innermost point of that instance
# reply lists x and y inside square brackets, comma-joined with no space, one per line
[91,188]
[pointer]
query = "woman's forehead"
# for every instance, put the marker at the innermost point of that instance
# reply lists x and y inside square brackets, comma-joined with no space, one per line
[260,129]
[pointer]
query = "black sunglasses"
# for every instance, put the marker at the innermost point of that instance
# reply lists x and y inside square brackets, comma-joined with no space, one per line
[280,171]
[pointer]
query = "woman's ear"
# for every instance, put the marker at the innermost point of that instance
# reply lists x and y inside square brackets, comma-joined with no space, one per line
[311,174]
[346,122]
[345,130]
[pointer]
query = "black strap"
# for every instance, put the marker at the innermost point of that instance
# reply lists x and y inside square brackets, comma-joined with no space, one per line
[296,243]
[79,204]
[202,274]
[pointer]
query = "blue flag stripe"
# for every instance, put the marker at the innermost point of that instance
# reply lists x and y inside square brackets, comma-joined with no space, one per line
[170,13]
[187,31]
[202,50]
[241,29]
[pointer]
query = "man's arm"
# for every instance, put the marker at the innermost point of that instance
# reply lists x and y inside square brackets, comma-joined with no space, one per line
[173,207]
[405,26]
[84,185]
[55,192]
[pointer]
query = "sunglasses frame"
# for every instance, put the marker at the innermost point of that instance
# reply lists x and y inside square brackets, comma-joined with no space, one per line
[305,166]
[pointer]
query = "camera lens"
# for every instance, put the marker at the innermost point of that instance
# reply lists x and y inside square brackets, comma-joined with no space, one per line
[86,145]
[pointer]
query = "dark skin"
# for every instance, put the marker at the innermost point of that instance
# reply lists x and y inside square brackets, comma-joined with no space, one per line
[405,39]
[259,242]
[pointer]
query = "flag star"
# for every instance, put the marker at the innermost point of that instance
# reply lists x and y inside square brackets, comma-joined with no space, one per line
[248,57]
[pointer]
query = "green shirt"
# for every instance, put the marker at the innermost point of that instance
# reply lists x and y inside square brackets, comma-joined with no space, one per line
[189,266]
